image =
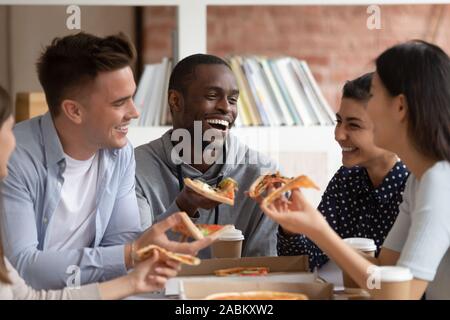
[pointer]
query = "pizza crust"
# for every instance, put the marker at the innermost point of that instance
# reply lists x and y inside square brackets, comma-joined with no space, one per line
[146,252]
[257,295]
[192,229]
[299,182]
[238,271]
[207,191]
[224,229]
[253,191]
[189,229]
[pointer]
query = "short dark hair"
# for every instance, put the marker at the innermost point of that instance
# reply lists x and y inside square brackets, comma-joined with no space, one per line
[184,70]
[6,109]
[72,62]
[421,72]
[358,89]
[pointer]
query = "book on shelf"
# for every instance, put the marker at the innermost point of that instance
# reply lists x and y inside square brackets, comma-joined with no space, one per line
[251,79]
[246,99]
[151,95]
[275,92]
[274,87]
[285,94]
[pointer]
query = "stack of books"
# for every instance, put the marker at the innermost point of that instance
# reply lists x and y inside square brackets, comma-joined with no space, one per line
[273,92]
[151,95]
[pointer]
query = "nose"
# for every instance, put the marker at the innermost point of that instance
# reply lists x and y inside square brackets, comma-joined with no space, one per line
[133,112]
[339,133]
[224,105]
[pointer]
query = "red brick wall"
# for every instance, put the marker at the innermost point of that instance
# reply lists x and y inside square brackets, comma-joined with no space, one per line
[158,24]
[334,40]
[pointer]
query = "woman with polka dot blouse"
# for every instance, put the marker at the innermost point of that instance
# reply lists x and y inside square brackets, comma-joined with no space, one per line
[410,108]
[363,197]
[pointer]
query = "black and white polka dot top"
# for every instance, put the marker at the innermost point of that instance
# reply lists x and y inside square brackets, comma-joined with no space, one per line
[353,208]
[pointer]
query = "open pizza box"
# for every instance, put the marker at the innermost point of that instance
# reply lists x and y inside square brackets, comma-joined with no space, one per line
[197,290]
[289,269]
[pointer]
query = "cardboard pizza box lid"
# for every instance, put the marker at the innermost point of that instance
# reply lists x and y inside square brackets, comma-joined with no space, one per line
[196,290]
[275,264]
[294,269]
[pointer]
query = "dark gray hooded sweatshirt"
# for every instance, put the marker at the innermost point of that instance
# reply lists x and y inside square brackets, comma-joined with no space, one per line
[157,186]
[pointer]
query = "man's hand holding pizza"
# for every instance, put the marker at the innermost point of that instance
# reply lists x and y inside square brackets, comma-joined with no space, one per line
[190,201]
[198,194]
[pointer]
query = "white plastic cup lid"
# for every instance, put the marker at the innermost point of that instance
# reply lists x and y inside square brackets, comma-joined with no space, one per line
[231,234]
[394,274]
[362,244]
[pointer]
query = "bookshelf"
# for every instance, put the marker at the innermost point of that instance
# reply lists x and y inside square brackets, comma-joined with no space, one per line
[300,149]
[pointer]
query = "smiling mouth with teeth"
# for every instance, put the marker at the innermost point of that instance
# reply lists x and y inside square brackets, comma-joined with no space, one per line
[218,124]
[348,149]
[123,128]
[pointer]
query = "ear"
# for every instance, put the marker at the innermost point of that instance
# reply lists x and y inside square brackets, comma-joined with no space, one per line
[401,107]
[72,110]
[176,101]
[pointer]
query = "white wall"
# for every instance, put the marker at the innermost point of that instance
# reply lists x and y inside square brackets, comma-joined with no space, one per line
[33,27]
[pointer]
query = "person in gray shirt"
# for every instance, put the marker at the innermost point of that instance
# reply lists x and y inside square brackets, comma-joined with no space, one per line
[202,97]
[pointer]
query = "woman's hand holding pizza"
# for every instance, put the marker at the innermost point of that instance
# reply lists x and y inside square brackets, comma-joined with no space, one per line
[296,214]
[152,273]
[148,275]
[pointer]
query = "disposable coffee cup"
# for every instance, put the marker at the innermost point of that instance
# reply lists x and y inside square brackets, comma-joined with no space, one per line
[391,283]
[363,245]
[228,245]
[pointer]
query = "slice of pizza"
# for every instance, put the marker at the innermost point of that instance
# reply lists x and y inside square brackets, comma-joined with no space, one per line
[260,185]
[242,271]
[187,228]
[224,193]
[216,229]
[147,252]
[299,182]
[257,295]
[199,231]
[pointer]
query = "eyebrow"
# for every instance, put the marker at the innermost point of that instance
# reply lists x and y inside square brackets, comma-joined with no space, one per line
[121,99]
[124,98]
[348,118]
[233,92]
[352,119]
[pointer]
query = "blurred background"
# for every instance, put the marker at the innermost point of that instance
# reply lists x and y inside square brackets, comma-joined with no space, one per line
[334,40]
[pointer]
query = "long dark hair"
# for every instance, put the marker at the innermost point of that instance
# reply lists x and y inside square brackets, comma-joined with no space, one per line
[5,112]
[421,72]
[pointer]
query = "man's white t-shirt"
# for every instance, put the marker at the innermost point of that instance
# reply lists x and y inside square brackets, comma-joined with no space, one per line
[73,223]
